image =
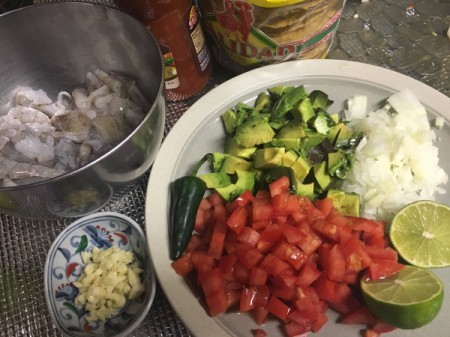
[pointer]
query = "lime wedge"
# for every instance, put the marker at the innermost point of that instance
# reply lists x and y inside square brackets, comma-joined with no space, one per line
[407,300]
[420,232]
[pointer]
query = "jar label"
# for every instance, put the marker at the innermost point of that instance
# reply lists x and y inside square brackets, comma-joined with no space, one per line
[246,35]
[198,37]
[170,70]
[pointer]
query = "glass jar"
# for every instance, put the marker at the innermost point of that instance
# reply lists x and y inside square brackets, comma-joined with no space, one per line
[176,26]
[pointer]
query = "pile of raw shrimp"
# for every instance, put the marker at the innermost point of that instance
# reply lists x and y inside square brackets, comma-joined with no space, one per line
[41,138]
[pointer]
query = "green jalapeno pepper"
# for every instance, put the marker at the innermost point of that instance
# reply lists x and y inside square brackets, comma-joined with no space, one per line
[186,194]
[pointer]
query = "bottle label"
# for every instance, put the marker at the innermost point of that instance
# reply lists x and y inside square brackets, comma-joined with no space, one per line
[192,20]
[170,70]
[244,37]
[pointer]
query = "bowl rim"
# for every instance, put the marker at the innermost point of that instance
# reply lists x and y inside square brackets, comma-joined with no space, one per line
[76,224]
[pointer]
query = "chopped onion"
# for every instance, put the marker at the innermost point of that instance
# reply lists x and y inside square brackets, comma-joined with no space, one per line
[396,162]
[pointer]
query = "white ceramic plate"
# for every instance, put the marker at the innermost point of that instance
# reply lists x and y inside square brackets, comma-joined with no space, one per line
[200,131]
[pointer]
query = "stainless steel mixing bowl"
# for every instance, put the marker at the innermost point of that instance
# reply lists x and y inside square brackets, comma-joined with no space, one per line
[52,47]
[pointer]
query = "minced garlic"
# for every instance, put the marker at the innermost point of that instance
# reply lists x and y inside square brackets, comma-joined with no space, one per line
[109,278]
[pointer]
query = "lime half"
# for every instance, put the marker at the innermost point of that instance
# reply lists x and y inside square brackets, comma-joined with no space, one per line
[407,300]
[420,232]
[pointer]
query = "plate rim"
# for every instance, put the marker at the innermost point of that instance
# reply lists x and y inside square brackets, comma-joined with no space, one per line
[215,99]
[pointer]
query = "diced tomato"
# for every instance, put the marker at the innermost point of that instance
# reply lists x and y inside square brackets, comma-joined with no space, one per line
[202,261]
[344,300]
[289,253]
[273,265]
[241,273]
[238,219]
[252,297]
[260,225]
[320,321]
[217,240]
[280,254]
[355,252]
[200,222]
[325,288]
[327,230]
[272,233]
[278,308]
[360,315]
[382,327]
[293,234]
[312,241]
[279,186]
[183,265]
[233,297]
[324,205]
[308,274]
[242,201]
[215,199]
[383,268]
[249,235]
[213,286]
[371,333]
[251,258]
[258,276]
[293,329]
[333,261]
[194,243]
[260,314]
[262,210]
[226,263]
[387,253]
[259,333]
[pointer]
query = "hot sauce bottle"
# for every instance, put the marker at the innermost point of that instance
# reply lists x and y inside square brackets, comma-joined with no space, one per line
[176,26]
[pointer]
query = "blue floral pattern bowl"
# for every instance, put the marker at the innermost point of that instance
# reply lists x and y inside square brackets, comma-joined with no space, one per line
[64,266]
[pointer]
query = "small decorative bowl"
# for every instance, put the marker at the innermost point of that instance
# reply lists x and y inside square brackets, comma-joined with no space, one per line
[64,266]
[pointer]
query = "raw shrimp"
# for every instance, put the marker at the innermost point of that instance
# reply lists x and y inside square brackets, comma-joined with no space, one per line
[41,138]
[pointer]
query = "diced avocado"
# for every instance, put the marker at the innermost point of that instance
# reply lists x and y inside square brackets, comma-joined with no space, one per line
[230,121]
[263,103]
[335,118]
[243,110]
[306,189]
[289,158]
[312,139]
[233,163]
[277,124]
[245,181]
[286,102]
[339,133]
[292,129]
[346,203]
[234,149]
[289,144]
[301,168]
[303,110]
[319,99]
[218,159]
[276,92]
[339,163]
[254,131]
[295,94]
[268,157]
[215,179]
[321,122]
[321,175]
